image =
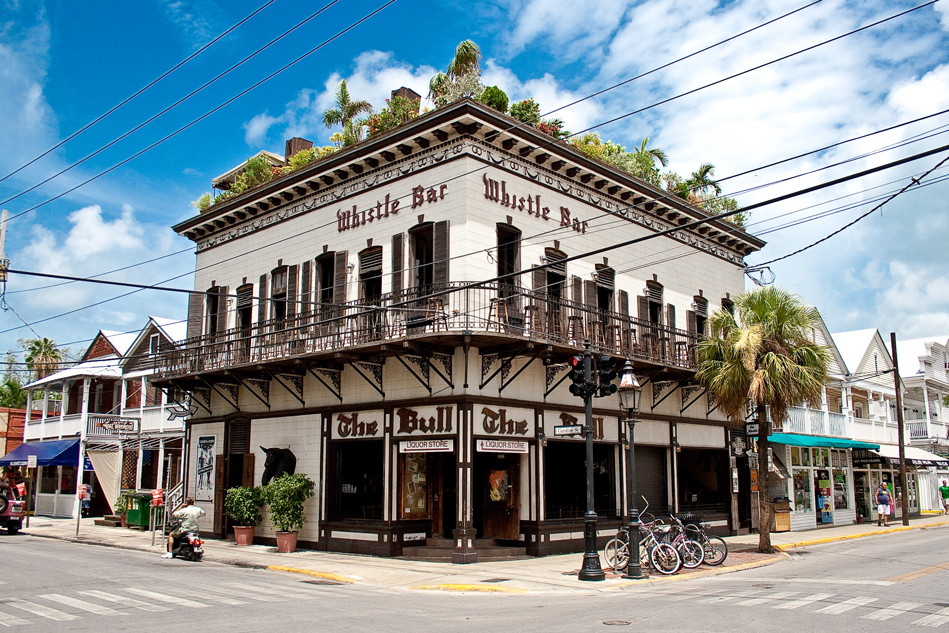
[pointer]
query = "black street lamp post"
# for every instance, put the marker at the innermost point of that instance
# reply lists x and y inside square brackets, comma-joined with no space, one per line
[630,392]
[591,569]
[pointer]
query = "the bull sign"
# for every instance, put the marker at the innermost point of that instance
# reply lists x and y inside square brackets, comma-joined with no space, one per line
[279,461]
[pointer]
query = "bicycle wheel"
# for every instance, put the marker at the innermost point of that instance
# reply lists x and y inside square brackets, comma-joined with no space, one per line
[692,554]
[715,550]
[616,554]
[665,559]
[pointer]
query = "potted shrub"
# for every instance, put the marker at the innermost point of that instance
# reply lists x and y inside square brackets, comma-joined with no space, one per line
[122,505]
[242,505]
[285,496]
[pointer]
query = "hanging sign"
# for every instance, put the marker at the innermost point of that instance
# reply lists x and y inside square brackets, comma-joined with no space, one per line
[427,446]
[31,461]
[501,446]
[568,429]
[751,429]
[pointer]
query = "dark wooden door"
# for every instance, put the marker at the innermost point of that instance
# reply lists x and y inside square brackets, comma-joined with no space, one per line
[501,486]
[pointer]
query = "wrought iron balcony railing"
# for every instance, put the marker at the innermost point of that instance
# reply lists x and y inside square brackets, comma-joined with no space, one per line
[456,309]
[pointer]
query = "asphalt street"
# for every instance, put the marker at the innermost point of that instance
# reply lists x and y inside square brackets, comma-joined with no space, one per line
[896,583]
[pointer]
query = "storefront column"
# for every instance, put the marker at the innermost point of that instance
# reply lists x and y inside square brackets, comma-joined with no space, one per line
[930,432]
[83,424]
[464,533]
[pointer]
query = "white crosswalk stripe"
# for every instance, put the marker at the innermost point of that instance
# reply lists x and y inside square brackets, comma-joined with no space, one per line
[891,611]
[780,595]
[218,595]
[154,595]
[247,595]
[847,605]
[735,595]
[795,604]
[934,619]
[676,596]
[83,605]
[283,592]
[124,600]
[40,610]
[7,619]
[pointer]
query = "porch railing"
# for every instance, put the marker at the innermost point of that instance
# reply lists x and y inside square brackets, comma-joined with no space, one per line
[454,309]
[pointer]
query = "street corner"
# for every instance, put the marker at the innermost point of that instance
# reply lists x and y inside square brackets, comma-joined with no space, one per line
[315,574]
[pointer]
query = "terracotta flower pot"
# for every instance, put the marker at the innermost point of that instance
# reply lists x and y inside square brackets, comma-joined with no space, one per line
[244,534]
[286,542]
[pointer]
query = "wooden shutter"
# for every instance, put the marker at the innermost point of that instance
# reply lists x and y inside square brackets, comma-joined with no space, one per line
[576,290]
[643,309]
[440,252]
[306,287]
[292,272]
[398,266]
[262,304]
[339,283]
[691,321]
[220,476]
[624,303]
[222,312]
[195,314]
[670,316]
[589,293]
[247,470]
[539,284]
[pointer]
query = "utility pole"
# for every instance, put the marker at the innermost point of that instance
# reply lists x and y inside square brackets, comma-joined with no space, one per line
[904,496]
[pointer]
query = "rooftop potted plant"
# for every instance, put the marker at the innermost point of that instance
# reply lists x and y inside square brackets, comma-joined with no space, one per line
[285,496]
[242,505]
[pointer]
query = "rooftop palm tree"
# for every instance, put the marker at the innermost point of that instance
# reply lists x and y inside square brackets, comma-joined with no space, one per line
[762,355]
[462,79]
[43,357]
[644,162]
[345,113]
[467,60]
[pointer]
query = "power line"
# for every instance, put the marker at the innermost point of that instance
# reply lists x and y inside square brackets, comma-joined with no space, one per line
[137,93]
[169,108]
[208,113]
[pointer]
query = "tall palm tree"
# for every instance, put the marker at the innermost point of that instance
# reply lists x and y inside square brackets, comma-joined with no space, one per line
[644,162]
[762,355]
[467,60]
[462,78]
[345,113]
[43,357]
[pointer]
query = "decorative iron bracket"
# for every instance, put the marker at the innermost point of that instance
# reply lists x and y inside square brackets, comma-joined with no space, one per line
[504,383]
[293,383]
[686,392]
[231,397]
[375,369]
[551,376]
[487,361]
[333,375]
[658,386]
[422,376]
[260,389]
[712,405]
[445,360]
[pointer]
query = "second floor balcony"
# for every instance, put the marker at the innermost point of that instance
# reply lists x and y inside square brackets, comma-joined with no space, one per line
[807,421]
[487,315]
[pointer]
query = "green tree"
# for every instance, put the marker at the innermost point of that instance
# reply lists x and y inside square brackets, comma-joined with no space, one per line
[345,114]
[12,393]
[43,357]
[644,159]
[462,78]
[494,97]
[762,356]
[526,111]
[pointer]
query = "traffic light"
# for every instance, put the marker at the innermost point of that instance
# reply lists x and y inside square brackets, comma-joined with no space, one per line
[606,374]
[578,380]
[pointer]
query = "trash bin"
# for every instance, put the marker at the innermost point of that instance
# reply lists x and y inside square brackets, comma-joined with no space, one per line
[782,515]
[139,509]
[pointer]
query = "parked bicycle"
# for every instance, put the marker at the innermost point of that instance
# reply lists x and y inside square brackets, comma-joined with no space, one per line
[662,557]
[714,547]
[691,551]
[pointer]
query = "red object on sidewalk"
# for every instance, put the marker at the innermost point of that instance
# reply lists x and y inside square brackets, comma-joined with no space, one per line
[158,497]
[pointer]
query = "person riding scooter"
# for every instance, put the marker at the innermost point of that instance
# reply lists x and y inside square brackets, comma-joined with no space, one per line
[189,515]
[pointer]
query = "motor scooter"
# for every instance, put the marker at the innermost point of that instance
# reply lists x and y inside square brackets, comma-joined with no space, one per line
[187,545]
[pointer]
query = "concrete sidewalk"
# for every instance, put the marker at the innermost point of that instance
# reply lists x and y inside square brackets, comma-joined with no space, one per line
[550,574]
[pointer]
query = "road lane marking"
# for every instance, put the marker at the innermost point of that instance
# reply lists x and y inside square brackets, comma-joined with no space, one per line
[76,603]
[125,600]
[732,596]
[919,573]
[781,595]
[7,619]
[183,602]
[934,619]
[283,592]
[38,609]
[219,596]
[847,605]
[891,611]
[794,604]
[246,595]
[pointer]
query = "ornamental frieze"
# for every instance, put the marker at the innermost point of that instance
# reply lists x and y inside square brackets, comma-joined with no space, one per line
[500,158]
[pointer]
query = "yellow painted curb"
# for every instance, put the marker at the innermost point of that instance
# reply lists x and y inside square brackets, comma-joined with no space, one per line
[310,572]
[847,537]
[485,588]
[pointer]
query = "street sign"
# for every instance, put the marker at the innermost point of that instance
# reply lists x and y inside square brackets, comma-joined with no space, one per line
[751,429]
[568,429]
[31,461]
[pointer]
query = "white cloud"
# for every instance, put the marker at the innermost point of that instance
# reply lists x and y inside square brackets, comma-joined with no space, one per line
[198,21]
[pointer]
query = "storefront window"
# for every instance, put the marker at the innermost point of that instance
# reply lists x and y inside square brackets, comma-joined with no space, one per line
[822,457]
[565,481]
[802,490]
[414,486]
[358,493]
[67,482]
[841,498]
[795,456]
[49,479]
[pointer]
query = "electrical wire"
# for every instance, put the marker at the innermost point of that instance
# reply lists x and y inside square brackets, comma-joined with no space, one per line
[138,92]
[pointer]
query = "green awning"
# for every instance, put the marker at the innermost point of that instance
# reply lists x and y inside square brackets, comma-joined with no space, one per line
[793,439]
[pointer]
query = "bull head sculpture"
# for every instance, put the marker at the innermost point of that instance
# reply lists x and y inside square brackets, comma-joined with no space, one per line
[279,461]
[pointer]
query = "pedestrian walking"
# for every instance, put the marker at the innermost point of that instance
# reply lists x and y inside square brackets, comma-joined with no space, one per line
[883,505]
[944,491]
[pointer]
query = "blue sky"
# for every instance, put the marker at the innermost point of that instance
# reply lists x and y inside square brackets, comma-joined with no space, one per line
[64,63]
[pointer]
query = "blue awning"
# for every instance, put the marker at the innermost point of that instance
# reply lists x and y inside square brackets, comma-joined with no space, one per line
[50,453]
[793,439]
